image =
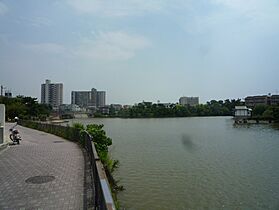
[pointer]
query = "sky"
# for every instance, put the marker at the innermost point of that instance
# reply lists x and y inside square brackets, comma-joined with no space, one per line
[139,50]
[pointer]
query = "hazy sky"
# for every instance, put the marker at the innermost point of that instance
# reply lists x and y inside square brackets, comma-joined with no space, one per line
[141,49]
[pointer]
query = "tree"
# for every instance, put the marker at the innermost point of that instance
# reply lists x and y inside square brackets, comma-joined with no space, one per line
[181,111]
[268,113]
[259,110]
[25,108]
[100,138]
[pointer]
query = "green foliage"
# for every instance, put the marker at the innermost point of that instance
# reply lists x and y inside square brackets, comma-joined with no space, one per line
[25,108]
[181,111]
[102,142]
[97,114]
[78,126]
[258,110]
[111,164]
[268,113]
[67,132]
[211,108]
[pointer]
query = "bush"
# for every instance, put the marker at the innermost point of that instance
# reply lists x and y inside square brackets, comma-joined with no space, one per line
[78,126]
[268,113]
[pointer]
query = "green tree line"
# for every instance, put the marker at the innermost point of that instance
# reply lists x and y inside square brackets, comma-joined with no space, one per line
[25,108]
[266,112]
[211,108]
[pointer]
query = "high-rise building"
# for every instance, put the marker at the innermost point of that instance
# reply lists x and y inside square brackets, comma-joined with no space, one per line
[89,99]
[101,98]
[192,101]
[81,98]
[93,98]
[52,94]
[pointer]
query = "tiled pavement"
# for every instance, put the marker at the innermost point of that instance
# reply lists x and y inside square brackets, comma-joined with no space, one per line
[41,154]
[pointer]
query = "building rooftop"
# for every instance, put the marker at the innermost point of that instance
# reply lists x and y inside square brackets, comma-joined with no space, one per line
[242,108]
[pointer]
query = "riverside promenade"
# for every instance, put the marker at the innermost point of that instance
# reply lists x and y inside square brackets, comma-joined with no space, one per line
[43,172]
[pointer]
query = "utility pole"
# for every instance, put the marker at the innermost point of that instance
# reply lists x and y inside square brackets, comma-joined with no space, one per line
[2,90]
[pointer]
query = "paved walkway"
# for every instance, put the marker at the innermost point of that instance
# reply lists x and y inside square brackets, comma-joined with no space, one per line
[43,172]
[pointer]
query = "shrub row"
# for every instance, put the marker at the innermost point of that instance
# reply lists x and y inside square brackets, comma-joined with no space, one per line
[66,132]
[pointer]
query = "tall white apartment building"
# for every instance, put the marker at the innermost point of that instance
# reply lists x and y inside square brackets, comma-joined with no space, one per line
[192,101]
[52,94]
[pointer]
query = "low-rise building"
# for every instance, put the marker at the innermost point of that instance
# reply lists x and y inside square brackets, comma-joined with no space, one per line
[274,100]
[104,109]
[192,101]
[116,107]
[166,105]
[252,101]
[127,106]
[70,108]
[242,112]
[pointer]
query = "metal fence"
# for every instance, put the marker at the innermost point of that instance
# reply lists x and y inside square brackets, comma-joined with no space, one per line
[103,198]
[102,195]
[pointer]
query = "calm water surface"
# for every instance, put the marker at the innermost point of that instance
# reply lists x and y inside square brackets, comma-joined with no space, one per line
[194,163]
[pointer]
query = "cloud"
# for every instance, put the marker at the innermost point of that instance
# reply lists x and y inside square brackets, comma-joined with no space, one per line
[254,9]
[35,21]
[3,8]
[220,17]
[117,8]
[116,45]
[51,48]
[103,46]
[248,5]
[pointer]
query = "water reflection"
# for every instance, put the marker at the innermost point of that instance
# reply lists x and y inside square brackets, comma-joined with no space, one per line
[246,125]
[275,126]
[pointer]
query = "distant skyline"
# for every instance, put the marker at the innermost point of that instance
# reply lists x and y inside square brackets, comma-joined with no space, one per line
[139,50]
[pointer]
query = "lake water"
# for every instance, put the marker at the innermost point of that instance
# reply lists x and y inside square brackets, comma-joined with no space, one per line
[194,163]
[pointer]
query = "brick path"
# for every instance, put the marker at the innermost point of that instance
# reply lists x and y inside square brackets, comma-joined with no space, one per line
[41,154]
